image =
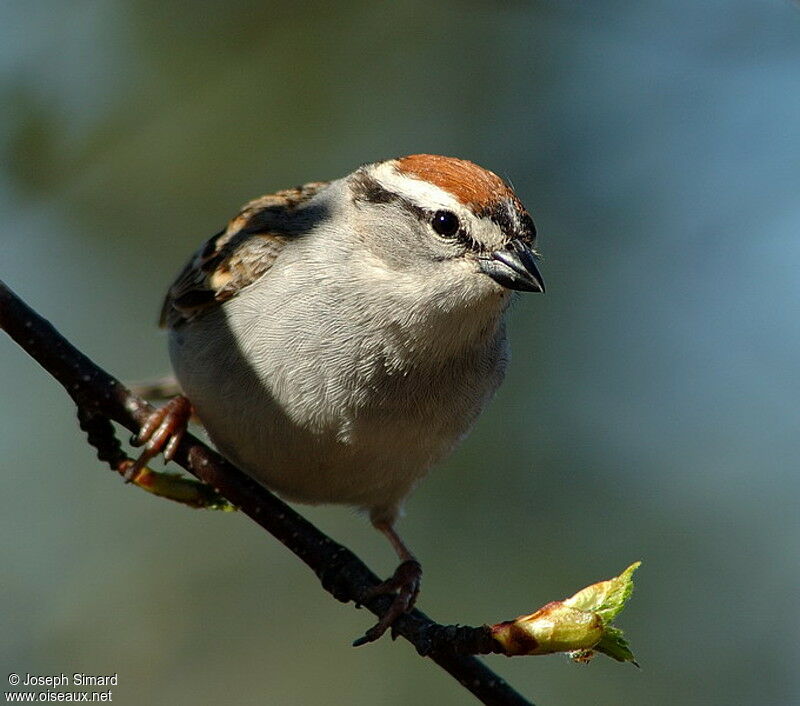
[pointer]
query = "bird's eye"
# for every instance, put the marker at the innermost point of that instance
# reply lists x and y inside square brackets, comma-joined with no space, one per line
[445,223]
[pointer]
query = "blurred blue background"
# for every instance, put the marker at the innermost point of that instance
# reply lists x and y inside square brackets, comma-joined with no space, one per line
[651,411]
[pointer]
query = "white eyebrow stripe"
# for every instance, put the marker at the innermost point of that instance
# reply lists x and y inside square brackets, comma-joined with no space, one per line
[430,197]
[420,192]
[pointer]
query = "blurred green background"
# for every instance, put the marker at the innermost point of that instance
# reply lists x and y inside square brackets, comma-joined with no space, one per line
[651,411]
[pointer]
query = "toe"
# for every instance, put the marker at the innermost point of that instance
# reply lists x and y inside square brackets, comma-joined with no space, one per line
[163,431]
[405,584]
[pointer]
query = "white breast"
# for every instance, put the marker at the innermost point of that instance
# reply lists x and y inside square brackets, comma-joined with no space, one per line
[326,407]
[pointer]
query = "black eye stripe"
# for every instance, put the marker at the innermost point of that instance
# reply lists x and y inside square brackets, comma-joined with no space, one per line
[528,225]
[365,188]
[504,214]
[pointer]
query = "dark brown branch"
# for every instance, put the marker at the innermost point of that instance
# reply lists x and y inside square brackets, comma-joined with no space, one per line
[100,398]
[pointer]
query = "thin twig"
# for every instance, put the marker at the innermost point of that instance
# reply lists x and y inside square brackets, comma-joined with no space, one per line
[101,397]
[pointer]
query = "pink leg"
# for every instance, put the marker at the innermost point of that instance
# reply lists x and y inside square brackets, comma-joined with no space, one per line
[404,584]
[162,431]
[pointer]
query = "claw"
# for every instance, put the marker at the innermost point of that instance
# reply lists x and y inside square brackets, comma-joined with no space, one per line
[405,584]
[162,431]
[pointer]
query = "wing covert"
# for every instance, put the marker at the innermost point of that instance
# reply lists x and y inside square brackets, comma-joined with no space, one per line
[236,256]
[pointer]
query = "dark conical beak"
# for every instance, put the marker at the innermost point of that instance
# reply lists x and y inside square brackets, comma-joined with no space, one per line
[514,266]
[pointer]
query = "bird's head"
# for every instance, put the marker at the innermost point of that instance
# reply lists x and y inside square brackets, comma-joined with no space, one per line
[441,218]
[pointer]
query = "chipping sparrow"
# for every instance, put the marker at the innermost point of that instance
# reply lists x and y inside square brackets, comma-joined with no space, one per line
[338,339]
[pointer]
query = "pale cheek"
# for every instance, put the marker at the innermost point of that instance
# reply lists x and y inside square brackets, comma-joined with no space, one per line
[480,285]
[475,290]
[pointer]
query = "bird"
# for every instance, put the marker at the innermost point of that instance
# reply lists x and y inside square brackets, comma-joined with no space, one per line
[338,339]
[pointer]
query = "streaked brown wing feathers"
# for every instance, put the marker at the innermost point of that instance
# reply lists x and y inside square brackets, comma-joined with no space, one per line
[236,256]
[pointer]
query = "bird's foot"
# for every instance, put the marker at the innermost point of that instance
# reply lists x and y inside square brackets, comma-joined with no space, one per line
[404,584]
[162,431]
